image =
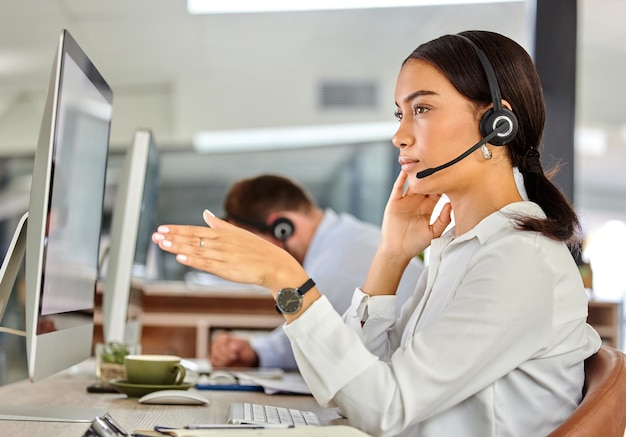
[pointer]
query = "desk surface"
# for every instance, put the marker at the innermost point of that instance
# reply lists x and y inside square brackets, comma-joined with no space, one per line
[69,389]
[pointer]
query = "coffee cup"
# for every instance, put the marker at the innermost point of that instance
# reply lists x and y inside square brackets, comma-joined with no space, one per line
[149,369]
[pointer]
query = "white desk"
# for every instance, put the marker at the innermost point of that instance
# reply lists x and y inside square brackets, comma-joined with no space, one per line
[70,390]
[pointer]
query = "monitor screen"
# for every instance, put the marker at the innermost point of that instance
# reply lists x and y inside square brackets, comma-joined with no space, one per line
[65,214]
[134,221]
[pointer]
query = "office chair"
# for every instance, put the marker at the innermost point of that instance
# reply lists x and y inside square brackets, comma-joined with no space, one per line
[602,411]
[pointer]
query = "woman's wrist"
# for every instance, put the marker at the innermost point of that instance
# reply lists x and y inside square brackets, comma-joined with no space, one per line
[392,258]
[289,277]
[384,274]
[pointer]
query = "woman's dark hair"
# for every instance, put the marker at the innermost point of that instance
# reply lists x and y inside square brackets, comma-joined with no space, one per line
[520,86]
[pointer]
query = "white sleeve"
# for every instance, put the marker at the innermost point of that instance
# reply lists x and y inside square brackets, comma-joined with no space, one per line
[339,354]
[378,313]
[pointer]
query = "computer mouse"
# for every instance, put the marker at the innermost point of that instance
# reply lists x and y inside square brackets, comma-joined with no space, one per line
[174,397]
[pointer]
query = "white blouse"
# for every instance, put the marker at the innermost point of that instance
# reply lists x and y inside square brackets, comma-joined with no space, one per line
[492,344]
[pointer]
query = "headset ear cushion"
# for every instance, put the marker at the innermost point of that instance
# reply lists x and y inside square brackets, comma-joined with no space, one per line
[491,119]
[282,228]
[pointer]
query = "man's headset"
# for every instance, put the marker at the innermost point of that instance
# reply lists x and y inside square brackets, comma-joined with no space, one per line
[282,228]
[498,125]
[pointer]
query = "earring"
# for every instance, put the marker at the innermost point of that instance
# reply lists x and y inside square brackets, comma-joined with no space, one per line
[485,151]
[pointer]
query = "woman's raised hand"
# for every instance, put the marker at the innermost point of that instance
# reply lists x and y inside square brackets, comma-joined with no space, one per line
[229,252]
[406,227]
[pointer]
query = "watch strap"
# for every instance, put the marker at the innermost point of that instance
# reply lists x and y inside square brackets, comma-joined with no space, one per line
[310,283]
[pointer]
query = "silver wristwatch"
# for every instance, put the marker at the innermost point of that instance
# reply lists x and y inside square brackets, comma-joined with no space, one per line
[289,300]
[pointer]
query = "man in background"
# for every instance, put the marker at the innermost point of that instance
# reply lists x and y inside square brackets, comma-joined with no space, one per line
[334,249]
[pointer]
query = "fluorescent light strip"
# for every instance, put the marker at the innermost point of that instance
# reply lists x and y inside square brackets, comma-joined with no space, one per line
[231,141]
[251,6]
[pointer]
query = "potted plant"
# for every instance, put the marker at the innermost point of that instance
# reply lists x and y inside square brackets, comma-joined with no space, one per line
[110,361]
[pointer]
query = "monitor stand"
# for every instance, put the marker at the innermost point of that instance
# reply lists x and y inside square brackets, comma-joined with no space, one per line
[12,262]
[44,413]
[8,273]
[36,413]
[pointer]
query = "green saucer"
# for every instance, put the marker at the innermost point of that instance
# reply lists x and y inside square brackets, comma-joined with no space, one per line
[138,390]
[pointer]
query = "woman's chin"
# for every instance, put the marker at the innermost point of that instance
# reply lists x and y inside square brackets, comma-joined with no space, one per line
[417,186]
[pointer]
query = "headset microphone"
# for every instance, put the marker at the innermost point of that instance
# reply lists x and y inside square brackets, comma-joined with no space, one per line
[499,129]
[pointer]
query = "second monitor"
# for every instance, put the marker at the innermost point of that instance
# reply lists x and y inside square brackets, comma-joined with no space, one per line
[133,222]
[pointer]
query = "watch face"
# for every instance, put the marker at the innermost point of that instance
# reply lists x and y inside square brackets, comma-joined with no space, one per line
[288,300]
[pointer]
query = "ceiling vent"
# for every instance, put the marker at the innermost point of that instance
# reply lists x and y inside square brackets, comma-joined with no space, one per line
[348,95]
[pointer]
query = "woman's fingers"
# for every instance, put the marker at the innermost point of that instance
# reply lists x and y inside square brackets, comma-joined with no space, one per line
[175,237]
[398,186]
[226,250]
[209,218]
[443,220]
[221,249]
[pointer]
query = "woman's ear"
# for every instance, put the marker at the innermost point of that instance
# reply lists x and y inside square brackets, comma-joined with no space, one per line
[507,105]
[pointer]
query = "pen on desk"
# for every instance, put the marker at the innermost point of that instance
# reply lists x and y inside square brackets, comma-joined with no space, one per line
[101,428]
[105,426]
[239,426]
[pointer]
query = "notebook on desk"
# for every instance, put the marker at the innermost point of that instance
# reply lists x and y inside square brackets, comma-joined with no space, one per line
[302,431]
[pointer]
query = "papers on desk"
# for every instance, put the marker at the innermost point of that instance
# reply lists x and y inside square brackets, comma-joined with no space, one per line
[287,382]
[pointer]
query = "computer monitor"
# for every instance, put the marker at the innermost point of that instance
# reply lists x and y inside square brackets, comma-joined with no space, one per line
[63,225]
[134,220]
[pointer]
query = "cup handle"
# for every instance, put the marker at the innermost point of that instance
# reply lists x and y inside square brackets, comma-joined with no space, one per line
[180,369]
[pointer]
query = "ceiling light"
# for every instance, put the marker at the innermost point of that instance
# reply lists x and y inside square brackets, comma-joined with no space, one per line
[292,137]
[249,6]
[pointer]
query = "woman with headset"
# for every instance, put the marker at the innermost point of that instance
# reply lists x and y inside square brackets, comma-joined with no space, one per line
[494,340]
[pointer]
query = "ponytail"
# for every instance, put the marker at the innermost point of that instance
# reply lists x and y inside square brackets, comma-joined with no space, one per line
[561,222]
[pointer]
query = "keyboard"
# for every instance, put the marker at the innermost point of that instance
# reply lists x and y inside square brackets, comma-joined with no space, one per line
[244,412]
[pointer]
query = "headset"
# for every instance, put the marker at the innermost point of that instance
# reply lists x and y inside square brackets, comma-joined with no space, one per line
[497,115]
[498,125]
[282,228]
